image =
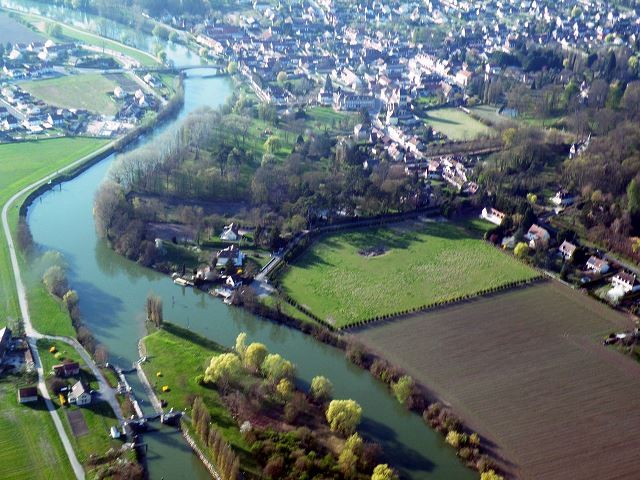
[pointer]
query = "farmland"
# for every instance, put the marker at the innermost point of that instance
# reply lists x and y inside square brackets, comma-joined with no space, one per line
[527,369]
[25,451]
[422,263]
[90,92]
[15,32]
[20,165]
[456,124]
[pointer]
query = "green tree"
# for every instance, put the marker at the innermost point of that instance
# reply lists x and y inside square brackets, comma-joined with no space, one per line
[273,144]
[254,355]
[343,416]
[490,475]
[53,30]
[161,32]
[284,389]
[55,280]
[223,368]
[232,68]
[282,77]
[241,344]
[275,368]
[521,250]
[383,472]
[403,388]
[633,197]
[455,439]
[321,389]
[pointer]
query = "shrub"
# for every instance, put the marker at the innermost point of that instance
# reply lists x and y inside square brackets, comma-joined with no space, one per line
[344,416]
[403,389]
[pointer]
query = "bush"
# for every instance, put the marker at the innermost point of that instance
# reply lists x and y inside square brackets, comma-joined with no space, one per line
[403,389]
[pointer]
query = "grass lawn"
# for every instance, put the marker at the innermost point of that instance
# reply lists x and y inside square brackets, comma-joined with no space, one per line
[98,416]
[490,114]
[29,443]
[422,263]
[456,124]
[325,118]
[90,91]
[22,164]
[180,356]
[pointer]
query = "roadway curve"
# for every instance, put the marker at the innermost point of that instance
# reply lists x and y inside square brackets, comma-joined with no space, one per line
[33,335]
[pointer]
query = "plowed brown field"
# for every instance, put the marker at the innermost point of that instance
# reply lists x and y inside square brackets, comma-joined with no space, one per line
[527,369]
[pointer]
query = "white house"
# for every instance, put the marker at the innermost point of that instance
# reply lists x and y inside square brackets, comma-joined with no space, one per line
[626,282]
[597,265]
[79,395]
[231,253]
[537,236]
[492,215]
[562,198]
[230,233]
[567,249]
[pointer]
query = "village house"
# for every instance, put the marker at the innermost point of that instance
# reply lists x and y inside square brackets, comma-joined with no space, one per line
[67,369]
[27,394]
[79,395]
[5,340]
[597,265]
[230,233]
[567,249]
[562,198]
[537,236]
[624,281]
[233,281]
[492,215]
[231,253]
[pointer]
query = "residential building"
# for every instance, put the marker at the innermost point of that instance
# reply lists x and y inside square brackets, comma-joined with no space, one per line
[537,236]
[597,265]
[67,369]
[231,253]
[230,233]
[492,215]
[5,340]
[27,394]
[625,281]
[563,198]
[567,249]
[79,395]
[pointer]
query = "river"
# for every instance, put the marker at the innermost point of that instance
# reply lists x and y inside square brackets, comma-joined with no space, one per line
[113,290]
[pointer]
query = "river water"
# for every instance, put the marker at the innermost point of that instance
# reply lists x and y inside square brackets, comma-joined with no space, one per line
[113,290]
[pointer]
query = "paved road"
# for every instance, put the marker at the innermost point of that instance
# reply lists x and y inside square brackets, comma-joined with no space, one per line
[32,334]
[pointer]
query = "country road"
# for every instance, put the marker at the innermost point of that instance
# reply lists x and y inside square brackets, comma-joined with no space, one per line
[33,335]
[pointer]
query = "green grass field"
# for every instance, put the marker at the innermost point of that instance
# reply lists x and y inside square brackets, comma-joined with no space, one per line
[89,91]
[20,165]
[98,416]
[423,263]
[180,356]
[325,118]
[490,114]
[29,444]
[456,124]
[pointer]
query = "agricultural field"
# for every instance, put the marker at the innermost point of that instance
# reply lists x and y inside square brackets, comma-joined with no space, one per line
[20,165]
[456,124]
[29,443]
[417,263]
[14,32]
[87,91]
[527,369]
